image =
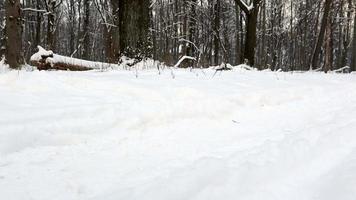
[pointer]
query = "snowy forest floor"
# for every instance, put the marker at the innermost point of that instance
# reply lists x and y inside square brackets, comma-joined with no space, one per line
[240,135]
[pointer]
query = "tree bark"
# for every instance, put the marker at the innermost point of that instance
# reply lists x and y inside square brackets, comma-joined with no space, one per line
[13,32]
[217,32]
[113,39]
[50,25]
[86,40]
[328,46]
[238,30]
[71,25]
[251,29]
[38,25]
[344,35]
[191,51]
[317,49]
[134,21]
[353,55]
[263,38]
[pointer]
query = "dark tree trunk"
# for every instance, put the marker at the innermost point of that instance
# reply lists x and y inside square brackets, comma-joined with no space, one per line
[134,21]
[192,29]
[72,22]
[112,34]
[344,36]
[13,32]
[353,55]
[317,49]
[38,25]
[328,46]
[251,29]
[86,41]
[50,25]
[263,38]
[238,30]
[111,57]
[217,32]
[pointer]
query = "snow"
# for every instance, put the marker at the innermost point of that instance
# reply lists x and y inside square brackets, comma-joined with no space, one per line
[3,67]
[41,52]
[249,7]
[240,135]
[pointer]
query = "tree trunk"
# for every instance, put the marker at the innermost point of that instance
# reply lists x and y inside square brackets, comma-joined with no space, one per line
[13,32]
[249,53]
[192,29]
[344,36]
[251,29]
[134,21]
[2,31]
[217,32]
[50,25]
[317,49]
[111,57]
[86,40]
[328,47]
[238,30]
[353,55]
[38,25]
[114,37]
[263,38]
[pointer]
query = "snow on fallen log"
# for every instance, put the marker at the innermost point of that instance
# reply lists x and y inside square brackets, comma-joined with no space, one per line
[182,59]
[223,67]
[45,60]
[246,67]
[345,69]
[317,70]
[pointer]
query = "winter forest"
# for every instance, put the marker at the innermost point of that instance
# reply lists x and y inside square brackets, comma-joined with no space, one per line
[177,100]
[266,34]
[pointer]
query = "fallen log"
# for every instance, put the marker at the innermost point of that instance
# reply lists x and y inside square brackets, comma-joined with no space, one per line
[345,69]
[47,60]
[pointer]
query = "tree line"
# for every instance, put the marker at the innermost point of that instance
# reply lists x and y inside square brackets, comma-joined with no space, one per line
[267,34]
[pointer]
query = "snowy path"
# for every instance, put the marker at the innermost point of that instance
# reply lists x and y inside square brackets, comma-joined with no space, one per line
[240,135]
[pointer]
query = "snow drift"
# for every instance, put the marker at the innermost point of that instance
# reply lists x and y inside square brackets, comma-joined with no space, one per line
[240,135]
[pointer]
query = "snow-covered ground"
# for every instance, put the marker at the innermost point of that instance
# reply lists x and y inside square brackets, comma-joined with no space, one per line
[241,135]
